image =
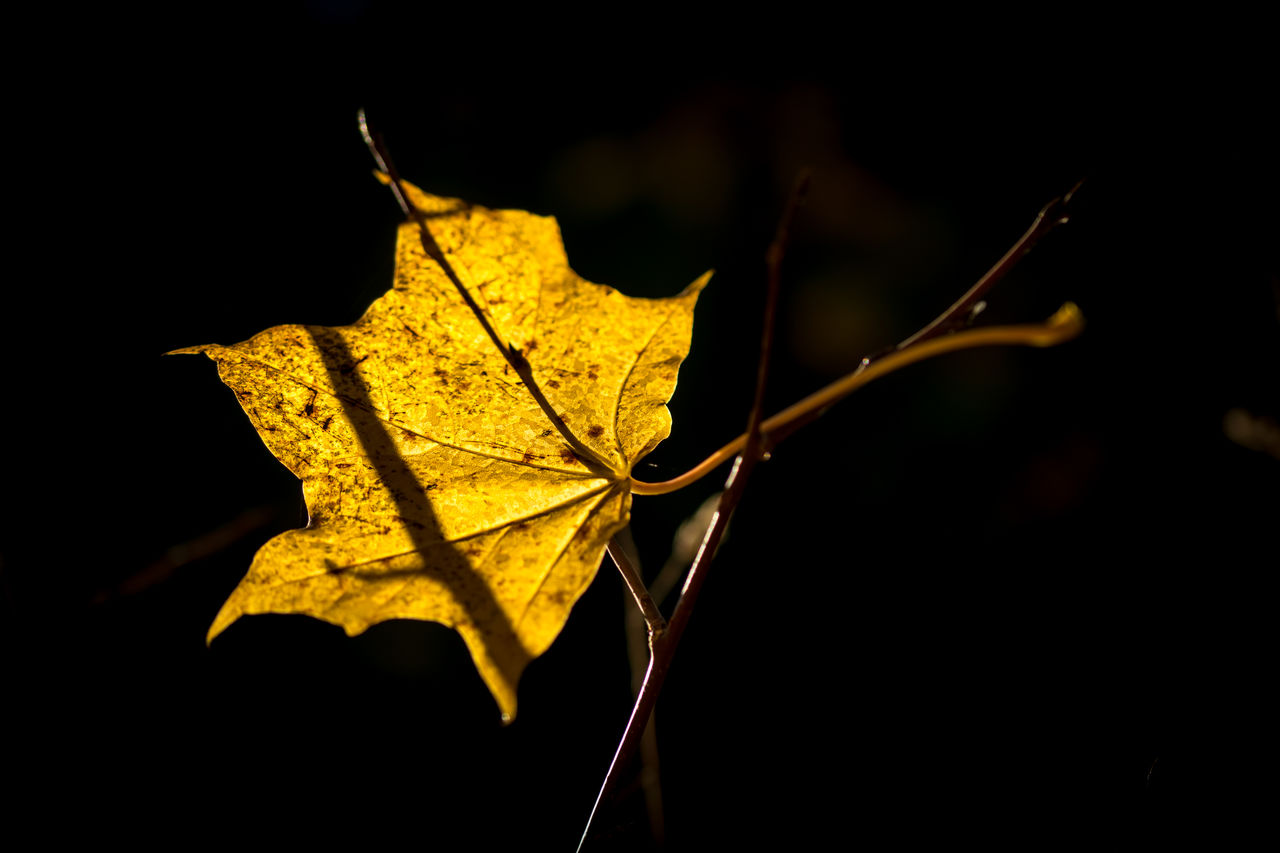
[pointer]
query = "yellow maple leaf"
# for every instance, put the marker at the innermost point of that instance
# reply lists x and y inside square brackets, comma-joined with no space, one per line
[437,486]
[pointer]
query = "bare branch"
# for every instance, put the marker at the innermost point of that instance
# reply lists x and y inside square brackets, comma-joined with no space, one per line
[1063,326]
[663,646]
[1053,214]
[631,576]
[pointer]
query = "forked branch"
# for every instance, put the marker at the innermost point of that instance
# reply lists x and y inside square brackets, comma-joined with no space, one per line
[936,338]
[1053,214]
[1062,326]
[663,645]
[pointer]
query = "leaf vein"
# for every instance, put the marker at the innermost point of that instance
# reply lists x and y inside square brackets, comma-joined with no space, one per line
[622,388]
[559,553]
[585,475]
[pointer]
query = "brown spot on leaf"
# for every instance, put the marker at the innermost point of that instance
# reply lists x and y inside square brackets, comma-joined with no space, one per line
[551,383]
[568,455]
[596,431]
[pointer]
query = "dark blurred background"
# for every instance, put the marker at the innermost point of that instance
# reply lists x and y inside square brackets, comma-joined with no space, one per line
[1010,594]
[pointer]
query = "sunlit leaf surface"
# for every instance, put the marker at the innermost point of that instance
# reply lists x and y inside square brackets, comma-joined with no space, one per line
[437,487]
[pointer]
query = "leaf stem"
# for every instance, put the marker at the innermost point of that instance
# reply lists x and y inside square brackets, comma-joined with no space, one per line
[513,356]
[1062,326]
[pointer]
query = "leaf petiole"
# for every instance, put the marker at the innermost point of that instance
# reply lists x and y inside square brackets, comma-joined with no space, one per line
[1064,325]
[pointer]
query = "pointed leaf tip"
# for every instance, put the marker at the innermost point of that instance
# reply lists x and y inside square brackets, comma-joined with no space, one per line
[698,283]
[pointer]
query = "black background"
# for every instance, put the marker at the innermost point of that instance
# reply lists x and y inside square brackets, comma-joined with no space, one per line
[1010,595]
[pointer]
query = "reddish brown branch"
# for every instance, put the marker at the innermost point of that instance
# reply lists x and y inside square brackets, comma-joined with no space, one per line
[1052,215]
[635,584]
[663,645]
[761,435]
[961,311]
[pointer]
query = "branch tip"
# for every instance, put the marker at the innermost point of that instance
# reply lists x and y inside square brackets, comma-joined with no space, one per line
[1065,324]
[1066,199]
[1067,320]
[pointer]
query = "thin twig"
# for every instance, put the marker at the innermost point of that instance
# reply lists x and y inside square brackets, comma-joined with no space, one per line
[190,551]
[773,260]
[683,550]
[513,355]
[638,651]
[663,646]
[1053,214]
[1063,326]
[652,615]
[761,434]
